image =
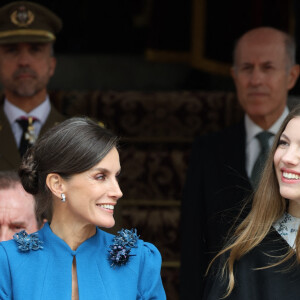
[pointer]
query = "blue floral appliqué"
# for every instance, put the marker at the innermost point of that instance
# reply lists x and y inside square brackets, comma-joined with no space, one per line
[119,252]
[27,242]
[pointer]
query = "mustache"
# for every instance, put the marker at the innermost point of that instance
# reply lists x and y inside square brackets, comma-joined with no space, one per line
[24,70]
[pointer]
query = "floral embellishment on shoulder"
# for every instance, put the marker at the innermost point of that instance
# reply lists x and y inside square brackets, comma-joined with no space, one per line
[27,242]
[119,252]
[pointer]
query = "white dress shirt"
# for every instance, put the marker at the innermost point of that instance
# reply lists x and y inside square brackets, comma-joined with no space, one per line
[252,143]
[13,113]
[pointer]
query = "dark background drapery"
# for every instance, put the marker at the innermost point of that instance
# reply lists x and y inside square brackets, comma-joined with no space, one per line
[145,46]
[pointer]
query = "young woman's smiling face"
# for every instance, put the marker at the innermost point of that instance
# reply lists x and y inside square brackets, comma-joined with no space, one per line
[287,164]
[92,195]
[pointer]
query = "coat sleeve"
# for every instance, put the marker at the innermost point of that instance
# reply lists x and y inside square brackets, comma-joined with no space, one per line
[216,284]
[5,278]
[150,283]
[215,287]
[193,218]
[250,283]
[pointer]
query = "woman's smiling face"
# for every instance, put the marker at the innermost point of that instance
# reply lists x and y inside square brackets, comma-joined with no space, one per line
[287,162]
[92,195]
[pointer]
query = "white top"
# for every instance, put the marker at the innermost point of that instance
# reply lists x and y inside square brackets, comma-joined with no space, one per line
[13,113]
[287,226]
[252,143]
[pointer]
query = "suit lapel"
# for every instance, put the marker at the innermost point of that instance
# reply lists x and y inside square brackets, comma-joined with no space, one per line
[240,150]
[236,154]
[236,181]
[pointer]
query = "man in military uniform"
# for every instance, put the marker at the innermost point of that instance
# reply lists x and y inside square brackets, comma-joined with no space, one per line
[27,34]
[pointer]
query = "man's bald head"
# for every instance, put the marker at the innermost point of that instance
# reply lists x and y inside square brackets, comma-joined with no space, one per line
[263,35]
[264,71]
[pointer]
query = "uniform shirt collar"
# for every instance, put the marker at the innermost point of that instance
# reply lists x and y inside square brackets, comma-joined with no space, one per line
[13,112]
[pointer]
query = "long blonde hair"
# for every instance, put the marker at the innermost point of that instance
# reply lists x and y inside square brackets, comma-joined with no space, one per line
[267,207]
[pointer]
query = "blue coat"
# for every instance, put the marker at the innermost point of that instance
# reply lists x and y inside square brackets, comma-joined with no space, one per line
[47,273]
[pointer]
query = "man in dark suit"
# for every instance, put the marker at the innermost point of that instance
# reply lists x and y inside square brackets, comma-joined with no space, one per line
[220,174]
[27,34]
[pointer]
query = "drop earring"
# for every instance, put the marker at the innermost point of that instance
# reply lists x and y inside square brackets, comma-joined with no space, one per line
[63,197]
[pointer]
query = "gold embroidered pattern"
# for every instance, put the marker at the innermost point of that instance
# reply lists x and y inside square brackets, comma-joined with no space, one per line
[22,17]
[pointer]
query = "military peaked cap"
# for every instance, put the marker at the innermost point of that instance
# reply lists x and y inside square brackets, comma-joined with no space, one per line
[28,22]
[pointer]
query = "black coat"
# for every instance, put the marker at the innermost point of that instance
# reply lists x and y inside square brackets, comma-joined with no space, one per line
[276,283]
[216,185]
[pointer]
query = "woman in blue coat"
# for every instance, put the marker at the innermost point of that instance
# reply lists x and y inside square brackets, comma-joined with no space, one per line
[72,171]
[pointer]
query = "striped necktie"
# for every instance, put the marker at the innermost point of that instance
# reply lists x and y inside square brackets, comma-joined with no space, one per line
[28,136]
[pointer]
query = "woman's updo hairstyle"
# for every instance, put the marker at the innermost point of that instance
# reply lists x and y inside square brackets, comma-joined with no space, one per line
[69,148]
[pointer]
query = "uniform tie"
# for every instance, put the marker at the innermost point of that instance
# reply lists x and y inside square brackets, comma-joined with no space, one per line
[263,138]
[28,136]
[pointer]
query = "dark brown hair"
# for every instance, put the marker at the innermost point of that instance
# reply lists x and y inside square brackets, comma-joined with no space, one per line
[72,147]
[8,179]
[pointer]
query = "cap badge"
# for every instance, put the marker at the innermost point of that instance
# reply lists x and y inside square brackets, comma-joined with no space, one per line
[22,17]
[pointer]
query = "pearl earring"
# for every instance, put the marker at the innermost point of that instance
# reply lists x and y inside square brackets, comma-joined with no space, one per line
[63,197]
